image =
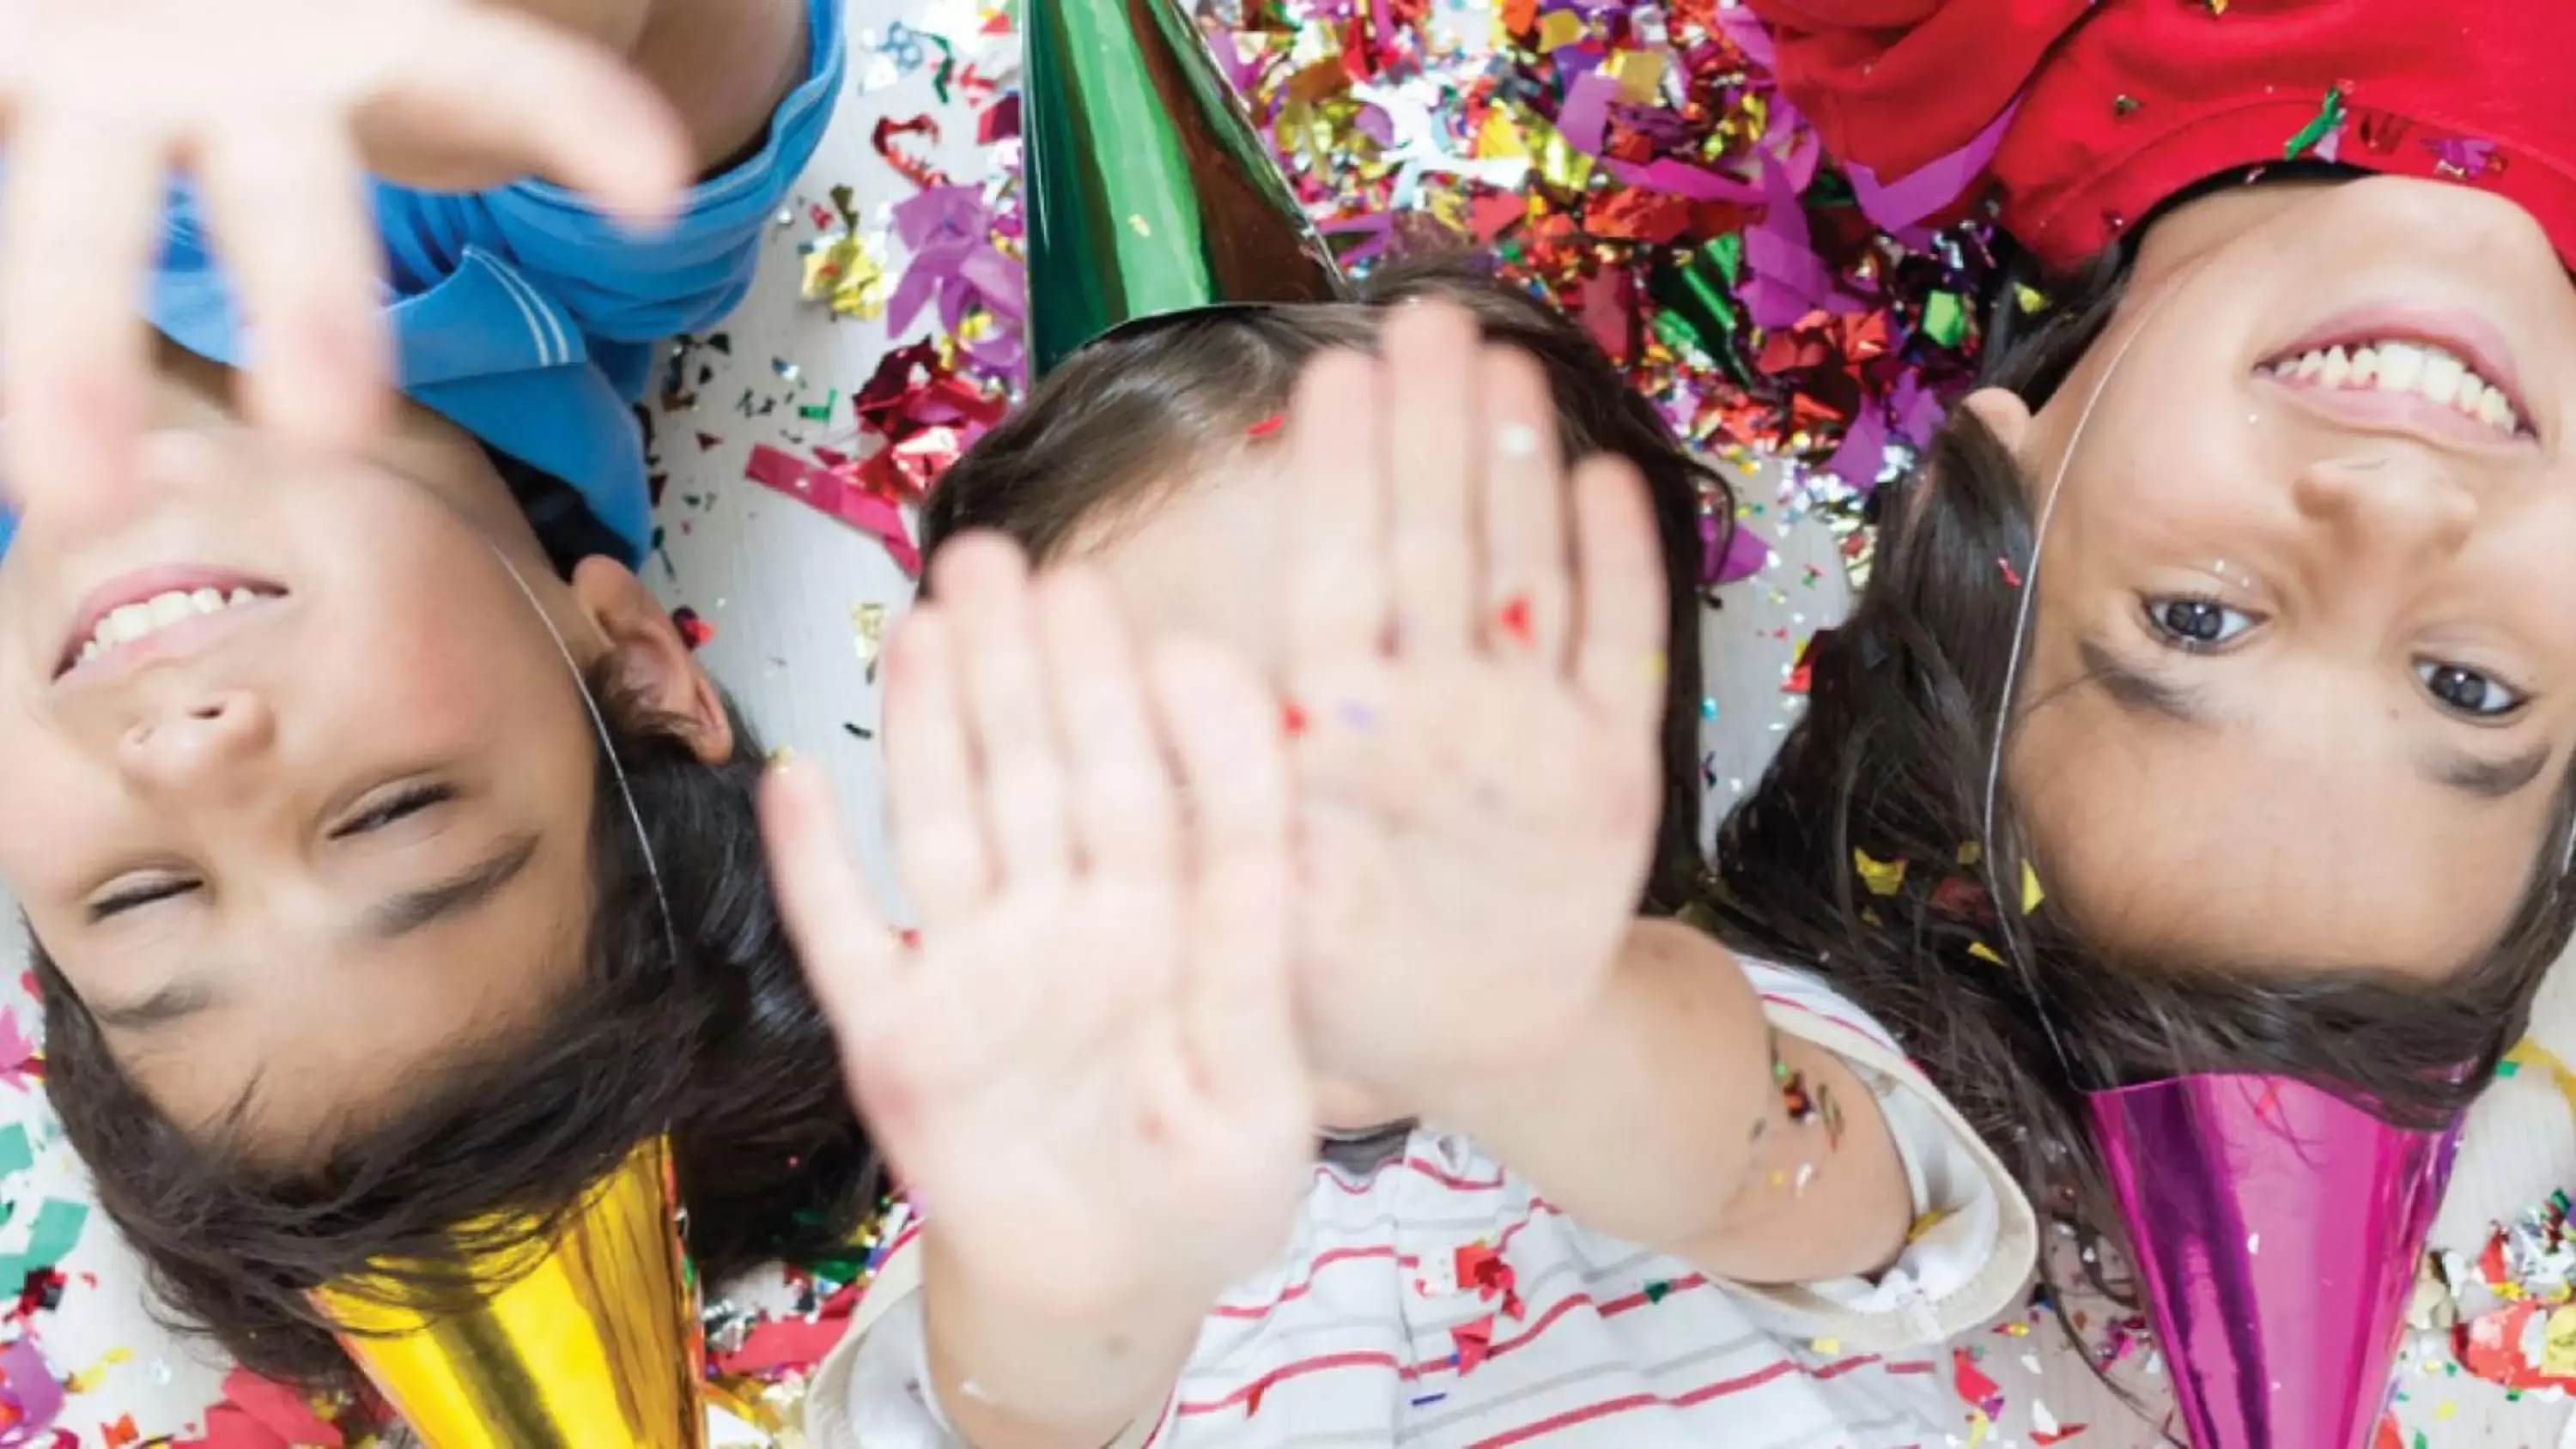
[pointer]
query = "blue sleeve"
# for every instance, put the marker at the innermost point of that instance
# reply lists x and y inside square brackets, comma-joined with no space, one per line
[622,288]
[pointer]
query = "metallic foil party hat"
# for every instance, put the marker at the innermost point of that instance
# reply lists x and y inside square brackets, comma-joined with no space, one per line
[1150,192]
[586,1340]
[2276,1229]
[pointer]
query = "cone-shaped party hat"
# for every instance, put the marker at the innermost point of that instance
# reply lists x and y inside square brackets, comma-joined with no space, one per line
[1150,192]
[586,1339]
[2276,1228]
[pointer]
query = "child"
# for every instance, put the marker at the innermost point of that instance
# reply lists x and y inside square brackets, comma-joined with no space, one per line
[2284,770]
[1103,1077]
[302,789]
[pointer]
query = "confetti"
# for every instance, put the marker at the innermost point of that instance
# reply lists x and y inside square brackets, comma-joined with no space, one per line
[2031,894]
[1879,877]
[837,492]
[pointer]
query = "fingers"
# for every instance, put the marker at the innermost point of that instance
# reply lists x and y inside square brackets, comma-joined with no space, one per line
[1433,449]
[504,84]
[79,219]
[1527,596]
[1619,658]
[1124,817]
[311,288]
[932,793]
[1238,1010]
[982,584]
[849,953]
[1338,595]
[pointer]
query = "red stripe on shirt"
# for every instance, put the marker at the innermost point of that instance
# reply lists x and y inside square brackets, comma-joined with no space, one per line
[1323,1363]
[1628,1403]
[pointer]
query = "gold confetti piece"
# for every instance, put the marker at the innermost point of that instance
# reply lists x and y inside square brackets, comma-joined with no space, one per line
[1558,29]
[1826,1345]
[1879,877]
[867,630]
[1499,139]
[840,271]
[1924,1224]
[1984,952]
[1640,74]
[2029,298]
[1970,853]
[88,1378]
[2031,894]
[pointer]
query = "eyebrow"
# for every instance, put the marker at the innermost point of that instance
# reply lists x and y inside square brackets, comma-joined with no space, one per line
[413,911]
[2140,693]
[389,920]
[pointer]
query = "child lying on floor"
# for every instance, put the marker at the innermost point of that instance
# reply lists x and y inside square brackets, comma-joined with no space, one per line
[1582,1175]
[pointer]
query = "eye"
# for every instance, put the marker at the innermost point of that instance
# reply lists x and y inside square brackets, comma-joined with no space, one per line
[402,806]
[135,897]
[2196,624]
[2466,691]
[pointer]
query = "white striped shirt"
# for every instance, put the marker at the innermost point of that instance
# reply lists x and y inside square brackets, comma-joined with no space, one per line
[1434,1299]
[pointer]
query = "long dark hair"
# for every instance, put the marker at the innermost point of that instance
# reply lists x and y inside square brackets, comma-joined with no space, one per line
[721,1042]
[1132,412]
[1891,761]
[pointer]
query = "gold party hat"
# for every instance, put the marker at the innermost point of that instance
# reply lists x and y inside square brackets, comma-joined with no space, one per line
[587,1339]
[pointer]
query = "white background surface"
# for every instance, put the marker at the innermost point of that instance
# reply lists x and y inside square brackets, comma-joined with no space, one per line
[779,584]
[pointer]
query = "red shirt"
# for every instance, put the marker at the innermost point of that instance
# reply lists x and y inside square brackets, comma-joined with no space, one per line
[2126,102]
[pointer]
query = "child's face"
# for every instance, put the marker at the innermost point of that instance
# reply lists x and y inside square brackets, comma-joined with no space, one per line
[298,847]
[2303,681]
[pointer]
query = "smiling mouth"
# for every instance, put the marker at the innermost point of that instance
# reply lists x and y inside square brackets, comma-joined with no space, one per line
[112,630]
[2410,371]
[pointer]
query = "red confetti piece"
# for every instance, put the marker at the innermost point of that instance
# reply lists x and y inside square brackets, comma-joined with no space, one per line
[839,494]
[1974,1388]
[1292,720]
[1474,1343]
[2044,1439]
[907,165]
[2012,575]
[1514,621]
[120,1433]
[1267,427]
[784,1344]
[696,632]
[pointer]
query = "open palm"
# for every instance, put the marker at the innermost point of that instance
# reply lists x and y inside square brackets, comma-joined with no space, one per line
[1476,655]
[1086,1069]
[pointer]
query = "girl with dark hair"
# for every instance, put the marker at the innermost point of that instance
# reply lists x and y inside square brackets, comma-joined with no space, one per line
[2210,705]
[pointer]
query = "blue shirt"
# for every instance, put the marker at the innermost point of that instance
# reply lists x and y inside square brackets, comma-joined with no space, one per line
[528,319]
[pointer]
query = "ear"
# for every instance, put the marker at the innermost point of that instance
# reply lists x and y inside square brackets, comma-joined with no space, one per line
[2003,412]
[649,659]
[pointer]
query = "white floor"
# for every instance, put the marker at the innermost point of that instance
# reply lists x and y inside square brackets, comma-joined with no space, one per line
[780,585]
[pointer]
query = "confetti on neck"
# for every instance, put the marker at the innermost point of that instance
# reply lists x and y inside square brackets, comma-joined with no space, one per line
[2031,894]
[1879,877]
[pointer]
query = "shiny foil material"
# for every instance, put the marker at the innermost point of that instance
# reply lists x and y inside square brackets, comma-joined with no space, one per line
[2276,1229]
[1149,191]
[589,1340]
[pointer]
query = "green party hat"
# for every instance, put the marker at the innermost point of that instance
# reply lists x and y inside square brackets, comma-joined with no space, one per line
[1150,192]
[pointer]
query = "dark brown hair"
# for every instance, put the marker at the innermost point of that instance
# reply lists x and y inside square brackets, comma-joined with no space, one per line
[1891,760]
[1131,414]
[720,1041]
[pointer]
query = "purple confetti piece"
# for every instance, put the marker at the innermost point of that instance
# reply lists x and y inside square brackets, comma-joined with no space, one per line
[30,1387]
[1902,204]
[1584,119]
[1863,450]
[1745,554]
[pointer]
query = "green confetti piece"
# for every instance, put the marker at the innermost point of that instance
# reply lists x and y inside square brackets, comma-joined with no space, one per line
[1945,318]
[1656,1290]
[2328,118]
[1728,250]
[57,1231]
[17,1154]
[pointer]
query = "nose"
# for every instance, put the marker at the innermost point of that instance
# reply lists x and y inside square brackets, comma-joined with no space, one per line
[187,743]
[2404,507]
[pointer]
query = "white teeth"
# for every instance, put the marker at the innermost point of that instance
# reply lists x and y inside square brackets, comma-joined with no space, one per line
[2430,372]
[130,622]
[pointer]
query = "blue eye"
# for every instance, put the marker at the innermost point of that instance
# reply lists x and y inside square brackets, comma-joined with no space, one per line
[2466,691]
[2193,624]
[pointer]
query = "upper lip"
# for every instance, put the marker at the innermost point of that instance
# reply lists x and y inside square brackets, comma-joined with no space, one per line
[142,586]
[2462,334]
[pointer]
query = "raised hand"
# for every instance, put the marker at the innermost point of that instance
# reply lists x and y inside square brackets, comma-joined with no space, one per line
[276,109]
[1476,653]
[1087,1068]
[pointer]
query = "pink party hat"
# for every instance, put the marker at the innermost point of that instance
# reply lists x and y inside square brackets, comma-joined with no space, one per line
[2276,1228]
